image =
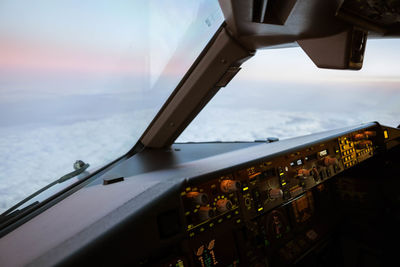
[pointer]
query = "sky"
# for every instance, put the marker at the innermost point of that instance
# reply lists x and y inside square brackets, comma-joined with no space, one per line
[82,80]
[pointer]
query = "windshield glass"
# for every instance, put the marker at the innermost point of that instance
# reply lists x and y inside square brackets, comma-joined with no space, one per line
[83,79]
[281,93]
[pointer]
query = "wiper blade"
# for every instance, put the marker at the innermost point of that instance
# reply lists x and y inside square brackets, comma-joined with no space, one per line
[4,217]
[79,167]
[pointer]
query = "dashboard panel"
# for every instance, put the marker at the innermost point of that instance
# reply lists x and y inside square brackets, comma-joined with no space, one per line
[244,217]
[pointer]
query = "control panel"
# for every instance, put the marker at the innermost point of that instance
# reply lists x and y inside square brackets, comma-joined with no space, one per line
[261,214]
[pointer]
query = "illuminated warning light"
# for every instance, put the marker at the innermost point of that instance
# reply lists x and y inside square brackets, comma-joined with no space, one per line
[245,188]
[236,212]
[260,209]
[220,220]
[188,189]
[202,229]
[284,183]
[183,193]
[190,226]
[228,216]
[211,224]
[191,234]
[281,173]
[385,134]
[238,221]
[187,213]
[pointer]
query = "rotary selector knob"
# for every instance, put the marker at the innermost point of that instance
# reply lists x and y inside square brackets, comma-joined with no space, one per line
[328,161]
[358,136]
[205,213]
[229,186]
[198,198]
[224,205]
[275,193]
[369,134]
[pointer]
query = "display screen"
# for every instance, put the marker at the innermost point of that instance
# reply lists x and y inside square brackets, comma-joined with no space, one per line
[276,224]
[303,208]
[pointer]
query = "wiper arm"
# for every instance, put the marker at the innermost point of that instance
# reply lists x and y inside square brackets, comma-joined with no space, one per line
[79,167]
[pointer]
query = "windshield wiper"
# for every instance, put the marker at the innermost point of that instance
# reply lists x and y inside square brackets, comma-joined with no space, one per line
[79,167]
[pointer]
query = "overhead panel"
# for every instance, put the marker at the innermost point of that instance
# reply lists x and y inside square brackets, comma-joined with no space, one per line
[380,13]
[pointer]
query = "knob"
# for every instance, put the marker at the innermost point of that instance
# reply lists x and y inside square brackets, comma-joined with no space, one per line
[275,193]
[224,205]
[369,133]
[303,173]
[358,136]
[205,213]
[229,186]
[328,161]
[198,198]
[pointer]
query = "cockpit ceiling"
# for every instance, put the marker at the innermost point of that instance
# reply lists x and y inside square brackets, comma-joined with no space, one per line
[384,13]
[266,23]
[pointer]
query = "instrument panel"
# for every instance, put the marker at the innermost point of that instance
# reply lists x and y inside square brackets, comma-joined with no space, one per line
[262,204]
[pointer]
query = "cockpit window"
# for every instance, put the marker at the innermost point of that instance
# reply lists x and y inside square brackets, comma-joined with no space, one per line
[81,80]
[281,93]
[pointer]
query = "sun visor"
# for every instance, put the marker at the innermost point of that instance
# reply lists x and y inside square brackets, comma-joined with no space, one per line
[341,51]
